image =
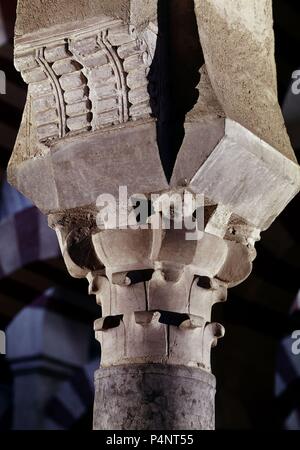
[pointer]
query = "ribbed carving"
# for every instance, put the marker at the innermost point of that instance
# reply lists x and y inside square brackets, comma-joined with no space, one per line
[89,80]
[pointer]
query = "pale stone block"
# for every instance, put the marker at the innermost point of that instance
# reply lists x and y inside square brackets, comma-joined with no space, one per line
[43,117]
[139,95]
[77,109]
[26,62]
[101,74]
[96,59]
[137,78]
[44,103]
[34,75]
[180,352]
[147,341]
[128,298]
[158,397]
[42,88]
[113,343]
[128,49]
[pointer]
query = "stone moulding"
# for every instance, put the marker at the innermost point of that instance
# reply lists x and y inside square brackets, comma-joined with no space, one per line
[85,79]
[155,288]
[90,106]
[179,395]
[88,129]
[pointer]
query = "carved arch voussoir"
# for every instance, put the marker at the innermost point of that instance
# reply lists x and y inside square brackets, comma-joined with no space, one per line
[84,80]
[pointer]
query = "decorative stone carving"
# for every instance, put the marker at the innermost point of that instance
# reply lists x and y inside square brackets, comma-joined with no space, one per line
[85,79]
[42,354]
[88,129]
[156,291]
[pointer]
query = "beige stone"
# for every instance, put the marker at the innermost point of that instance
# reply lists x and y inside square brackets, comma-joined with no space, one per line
[88,129]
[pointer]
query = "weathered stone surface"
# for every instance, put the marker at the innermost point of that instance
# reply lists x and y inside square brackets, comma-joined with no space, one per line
[238,44]
[97,81]
[37,363]
[257,167]
[137,12]
[88,128]
[259,180]
[49,13]
[158,397]
[204,136]
[159,290]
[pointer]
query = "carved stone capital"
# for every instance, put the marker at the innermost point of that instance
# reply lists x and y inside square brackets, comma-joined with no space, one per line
[90,126]
[83,79]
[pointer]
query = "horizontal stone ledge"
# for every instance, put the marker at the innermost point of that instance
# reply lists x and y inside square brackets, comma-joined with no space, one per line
[248,176]
[145,318]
